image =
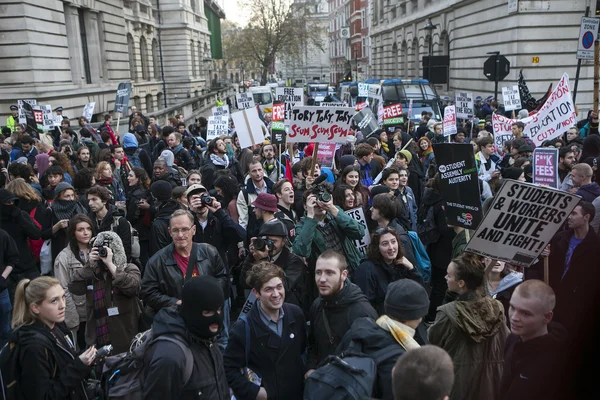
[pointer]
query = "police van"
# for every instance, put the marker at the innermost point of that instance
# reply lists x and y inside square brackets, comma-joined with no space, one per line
[263,98]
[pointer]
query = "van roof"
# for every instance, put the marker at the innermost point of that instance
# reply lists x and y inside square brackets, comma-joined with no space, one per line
[259,89]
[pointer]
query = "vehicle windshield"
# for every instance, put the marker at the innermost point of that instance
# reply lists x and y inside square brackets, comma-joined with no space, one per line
[417,91]
[317,88]
[390,95]
[353,91]
[262,98]
[419,107]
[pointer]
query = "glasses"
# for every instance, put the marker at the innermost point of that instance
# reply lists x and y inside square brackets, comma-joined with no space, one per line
[177,231]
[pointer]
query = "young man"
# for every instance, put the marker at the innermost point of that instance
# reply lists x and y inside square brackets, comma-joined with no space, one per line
[277,341]
[27,150]
[582,180]
[135,155]
[364,155]
[534,351]
[106,217]
[284,190]
[257,183]
[161,173]
[271,165]
[517,133]
[265,207]
[183,158]
[339,304]
[163,206]
[566,159]
[84,159]
[485,160]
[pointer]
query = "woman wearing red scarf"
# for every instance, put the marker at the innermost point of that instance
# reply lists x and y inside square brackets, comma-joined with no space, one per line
[426,153]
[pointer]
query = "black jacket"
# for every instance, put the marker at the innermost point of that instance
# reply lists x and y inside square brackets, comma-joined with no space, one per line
[277,360]
[39,355]
[185,160]
[163,279]
[164,364]
[440,251]
[144,159]
[374,277]
[122,228]
[18,224]
[209,171]
[416,178]
[341,310]
[135,215]
[159,232]
[9,255]
[170,177]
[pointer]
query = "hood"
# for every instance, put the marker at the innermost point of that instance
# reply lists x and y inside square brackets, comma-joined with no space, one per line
[116,245]
[167,209]
[33,334]
[592,188]
[591,147]
[510,280]
[480,318]
[113,211]
[350,294]
[431,197]
[168,321]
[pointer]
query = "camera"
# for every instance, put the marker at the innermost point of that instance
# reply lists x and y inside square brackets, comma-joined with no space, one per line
[103,351]
[322,193]
[262,243]
[103,249]
[206,199]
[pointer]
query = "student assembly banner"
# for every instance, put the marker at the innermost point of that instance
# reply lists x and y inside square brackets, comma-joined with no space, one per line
[521,221]
[459,184]
[320,124]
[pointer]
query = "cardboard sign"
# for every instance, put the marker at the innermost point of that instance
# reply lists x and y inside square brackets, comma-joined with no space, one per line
[459,184]
[366,121]
[249,127]
[450,121]
[88,111]
[221,110]
[332,104]
[521,221]
[122,99]
[360,106]
[363,89]
[57,120]
[392,115]
[545,166]
[464,105]
[277,124]
[511,98]
[290,97]
[358,214]
[244,100]
[30,116]
[320,124]
[22,118]
[325,155]
[47,118]
[217,126]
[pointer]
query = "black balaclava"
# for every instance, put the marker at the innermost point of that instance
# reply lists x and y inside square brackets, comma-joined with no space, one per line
[202,293]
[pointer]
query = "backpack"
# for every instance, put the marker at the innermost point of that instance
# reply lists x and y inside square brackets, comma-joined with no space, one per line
[9,375]
[350,376]
[427,229]
[35,245]
[135,160]
[423,261]
[135,237]
[123,374]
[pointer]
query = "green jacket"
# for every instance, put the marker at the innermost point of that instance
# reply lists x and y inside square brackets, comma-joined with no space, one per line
[348,229]
[12,123]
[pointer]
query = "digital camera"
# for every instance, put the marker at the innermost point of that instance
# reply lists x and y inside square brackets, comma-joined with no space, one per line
[262,243]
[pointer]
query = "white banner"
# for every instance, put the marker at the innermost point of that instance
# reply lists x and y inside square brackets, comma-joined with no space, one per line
[291,97]
[217,125]
[358,214]
[22,119]
[244,100]
[363,89]
[47,117]
[250,129]
[221,110]
[464,105]
[320,124]
[88,111]
[511,98]
[450,121]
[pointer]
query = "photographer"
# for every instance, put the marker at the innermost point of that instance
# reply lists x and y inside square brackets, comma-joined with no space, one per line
[111,304]
[326,227]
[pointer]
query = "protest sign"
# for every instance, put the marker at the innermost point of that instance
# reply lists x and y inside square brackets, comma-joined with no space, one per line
[320,124]
[291,97]
[360,106]
[57,120]
[392,115]
[325,154]
[358,214]
[464,105]
[332,104]
[221,110]
[545,166]
[249,127]
[459,184]
[22,119]
[217,126]
[520,222]
[366,121]
[88,111]
[363,89]
[250,300]
[277,124]
[410,108]
[122,99]
[450,121]
[30,116]
[47,117]
[511,98]
[244,100]
[502,128]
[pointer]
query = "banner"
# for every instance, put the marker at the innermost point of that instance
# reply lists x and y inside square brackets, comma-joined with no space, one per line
[88,111]
[291,97]
[30,116]
[244,100]
[221,110]
[520,222]
[22,119]
[511,98]
[320,124]
[277,124]
[358,214]
[249,127]
[363,89]
[392,115]
[325,154]
[332,104]
[366,121]
[545,166]
[450,121]
[464,105]
[459,184]
[217,126]
[360,106]
[47,118]
[122,99]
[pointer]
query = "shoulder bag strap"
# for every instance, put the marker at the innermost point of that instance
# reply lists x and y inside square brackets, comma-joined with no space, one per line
[327,327]
[189,357]
[247,328]
[191,262]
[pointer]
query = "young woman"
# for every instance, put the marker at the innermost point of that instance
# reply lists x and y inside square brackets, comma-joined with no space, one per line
[62,160]
[406,195]
[71,258]
[48,366]
[228,189]
[351,177]
[343,196]
[472,330]
[49,180]
[193,177]
[138,208]
[501,282]
[385,263]
[426,153]
[104,177]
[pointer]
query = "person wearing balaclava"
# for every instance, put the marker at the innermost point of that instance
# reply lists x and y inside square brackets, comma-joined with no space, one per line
[194,324]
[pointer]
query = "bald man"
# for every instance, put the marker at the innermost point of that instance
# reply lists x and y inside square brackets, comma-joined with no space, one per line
[534,351]
[582,179]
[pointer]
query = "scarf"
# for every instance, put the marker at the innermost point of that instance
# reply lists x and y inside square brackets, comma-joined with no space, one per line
[385,147]
[105,181]
[100,312]
[399,331]
[218,161]
[177,148]
[65,209]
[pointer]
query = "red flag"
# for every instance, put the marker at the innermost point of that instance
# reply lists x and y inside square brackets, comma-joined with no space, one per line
[288,170]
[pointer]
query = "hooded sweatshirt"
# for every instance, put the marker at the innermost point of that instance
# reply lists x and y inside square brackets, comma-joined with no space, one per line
[589,192]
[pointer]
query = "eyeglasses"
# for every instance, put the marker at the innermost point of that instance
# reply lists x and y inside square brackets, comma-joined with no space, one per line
[177,231]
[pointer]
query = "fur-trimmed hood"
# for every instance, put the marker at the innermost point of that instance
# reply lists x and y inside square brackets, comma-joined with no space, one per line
[116,245]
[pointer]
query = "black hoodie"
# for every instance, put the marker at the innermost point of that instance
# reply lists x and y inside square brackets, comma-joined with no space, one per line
[341,310]
[159,231]
[164,364]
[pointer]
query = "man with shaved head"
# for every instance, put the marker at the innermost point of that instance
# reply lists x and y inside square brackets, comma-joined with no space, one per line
[582,179]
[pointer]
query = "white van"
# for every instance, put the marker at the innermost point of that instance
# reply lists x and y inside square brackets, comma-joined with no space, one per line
[263,98]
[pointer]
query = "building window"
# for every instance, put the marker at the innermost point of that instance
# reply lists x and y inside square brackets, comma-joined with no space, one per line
[395,66]
[155,59]
[363,21]
[402,9]
[131,51]
[193,5]
[160,101]
[404,60]
[84,46]
[193,52]
[143,9]
[127,4]
[364,48]
[199,60]
[414,5]
[144,59]
[149,103]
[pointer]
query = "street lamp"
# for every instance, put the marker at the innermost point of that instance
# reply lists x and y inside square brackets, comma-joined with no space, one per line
[429,27]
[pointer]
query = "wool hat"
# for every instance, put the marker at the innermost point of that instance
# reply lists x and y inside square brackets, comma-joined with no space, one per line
[273,228]
[525,148]
[129,141]
[168,156]
[379,190]
[406,300]
[161,190]
[7,196]
[407,154]
[61,187]
[194,188]
[266,201]
[523,114]
[512,173]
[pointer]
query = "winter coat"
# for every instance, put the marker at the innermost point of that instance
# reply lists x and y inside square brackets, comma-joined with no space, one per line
[439,252]
[9,253]
[65,266]
[473,331]
[209,171]
[411,205]
[164,364]
[116,189]
[172,177]
[163,279]
[277,360]
[115,217]
[144,159]
[374,277]
[532,369]
[245,198]
[184,159]
[19,225]
[589,192]
[121,292]
[341,310]
[159,230]
[136,216]
[416,178]
[48,369]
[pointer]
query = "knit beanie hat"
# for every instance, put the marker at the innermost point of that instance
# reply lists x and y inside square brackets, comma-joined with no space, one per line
[61,187]
[406,300]
[129,141]
[407,154]
[161,190]
[168,156]
[202,293]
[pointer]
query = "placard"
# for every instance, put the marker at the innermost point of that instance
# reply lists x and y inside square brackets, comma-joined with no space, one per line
[363,89]
[22,119]
[249,127]
[511,98]
[392,114]
[521,221]
[48,122]
[220,110]
[30,116]
[320,124]
[277,124]
[57,120]
[290,97]
[459,183]
[88,111]
[325,155]
[122,99]
[464,105]
[366,121]
[410,108]
[217,126]
[244,100]
[450,121]
[545,166]
[358,214]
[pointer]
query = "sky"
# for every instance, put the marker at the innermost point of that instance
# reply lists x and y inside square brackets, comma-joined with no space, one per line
[234,12]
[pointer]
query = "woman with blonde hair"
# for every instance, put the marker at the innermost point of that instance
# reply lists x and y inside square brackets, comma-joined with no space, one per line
[44,364]
[104,177]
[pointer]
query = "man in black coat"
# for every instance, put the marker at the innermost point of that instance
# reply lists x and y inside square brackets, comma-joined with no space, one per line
[9,258]
[183,158]
[160,214]
[194,324]
[339,304]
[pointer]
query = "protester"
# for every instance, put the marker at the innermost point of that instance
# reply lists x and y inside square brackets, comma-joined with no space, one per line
[9,258]
[284,190]
[138,209]
[566,160]
[162,208]
[104,177]
[162,173]
[364,155]
[257,183]
[501,281]
[581,175]
[350,176]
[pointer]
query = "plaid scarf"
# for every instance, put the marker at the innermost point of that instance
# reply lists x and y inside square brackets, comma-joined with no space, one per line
[398,332]
[100,313]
